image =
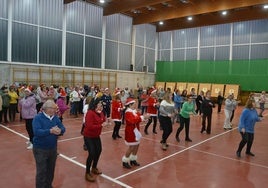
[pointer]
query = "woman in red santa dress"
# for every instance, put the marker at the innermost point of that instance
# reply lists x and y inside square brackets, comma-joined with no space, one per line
[153,104]
[132,139]
[117,108]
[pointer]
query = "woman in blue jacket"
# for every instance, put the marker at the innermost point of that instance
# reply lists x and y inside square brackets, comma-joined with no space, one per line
[246,126]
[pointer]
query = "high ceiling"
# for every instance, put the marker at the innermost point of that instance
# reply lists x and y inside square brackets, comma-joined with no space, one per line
[174,13]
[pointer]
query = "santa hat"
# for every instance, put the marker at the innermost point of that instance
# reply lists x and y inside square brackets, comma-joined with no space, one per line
[129,101]
[153,91]
[117,93]
[63,94]
[27,89]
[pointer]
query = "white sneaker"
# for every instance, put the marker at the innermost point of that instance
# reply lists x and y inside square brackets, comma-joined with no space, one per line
[30,146]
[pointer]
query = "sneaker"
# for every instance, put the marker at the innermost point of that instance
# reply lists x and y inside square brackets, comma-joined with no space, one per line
[164,146]
[30,146]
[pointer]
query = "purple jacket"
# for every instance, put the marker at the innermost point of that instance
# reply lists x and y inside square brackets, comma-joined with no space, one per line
[28,107]
[61,105]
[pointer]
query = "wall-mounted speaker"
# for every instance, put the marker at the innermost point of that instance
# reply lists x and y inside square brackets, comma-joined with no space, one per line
[145,68]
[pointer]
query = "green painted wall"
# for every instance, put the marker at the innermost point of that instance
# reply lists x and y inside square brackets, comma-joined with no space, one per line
[251,75]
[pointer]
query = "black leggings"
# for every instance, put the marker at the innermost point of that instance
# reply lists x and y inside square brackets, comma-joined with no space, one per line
[29,128]
[247,138]
[166,124]
[184,122]
[94,149]
[151,119]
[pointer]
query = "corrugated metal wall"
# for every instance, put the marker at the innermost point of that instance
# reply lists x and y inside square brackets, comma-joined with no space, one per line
[249,41]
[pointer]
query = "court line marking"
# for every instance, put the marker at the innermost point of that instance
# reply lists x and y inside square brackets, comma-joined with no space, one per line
[102,175]
[181,151]
[230,158]
[15,132]
[72,160]
[150,164]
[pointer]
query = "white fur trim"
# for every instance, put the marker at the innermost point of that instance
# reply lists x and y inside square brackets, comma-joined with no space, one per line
[125,159]
[133,157]
[132,143]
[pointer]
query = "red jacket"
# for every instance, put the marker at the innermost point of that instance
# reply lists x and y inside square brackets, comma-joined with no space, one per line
[144,98]
[152,108]
[133,119]
[93,124]
[117,107]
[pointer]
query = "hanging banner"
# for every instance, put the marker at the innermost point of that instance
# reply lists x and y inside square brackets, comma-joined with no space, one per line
[160,85]
[231,89]
[190,86]
[204,87]
[181,86]
[216,88]
[171,85]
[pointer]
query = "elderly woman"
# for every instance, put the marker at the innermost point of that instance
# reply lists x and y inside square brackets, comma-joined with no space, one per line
[46,127]
[28,110]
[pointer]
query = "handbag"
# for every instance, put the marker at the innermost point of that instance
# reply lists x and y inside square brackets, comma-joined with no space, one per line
[137,134]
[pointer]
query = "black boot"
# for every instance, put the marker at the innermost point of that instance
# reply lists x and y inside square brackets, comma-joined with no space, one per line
[114,133]
[146,132]
[134,163]
[116,130]
[126,165]
[238,154]
[154,131]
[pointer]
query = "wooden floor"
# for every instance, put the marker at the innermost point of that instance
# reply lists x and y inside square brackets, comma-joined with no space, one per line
[207,162]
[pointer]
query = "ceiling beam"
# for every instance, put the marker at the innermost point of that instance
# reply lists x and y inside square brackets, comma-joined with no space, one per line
[127,5]
[68,1]
[199,7]
[235,16]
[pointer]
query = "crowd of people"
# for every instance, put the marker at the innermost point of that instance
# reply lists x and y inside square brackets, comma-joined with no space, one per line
[43,107]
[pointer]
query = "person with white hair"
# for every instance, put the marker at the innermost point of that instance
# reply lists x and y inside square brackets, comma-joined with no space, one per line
[47,127]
